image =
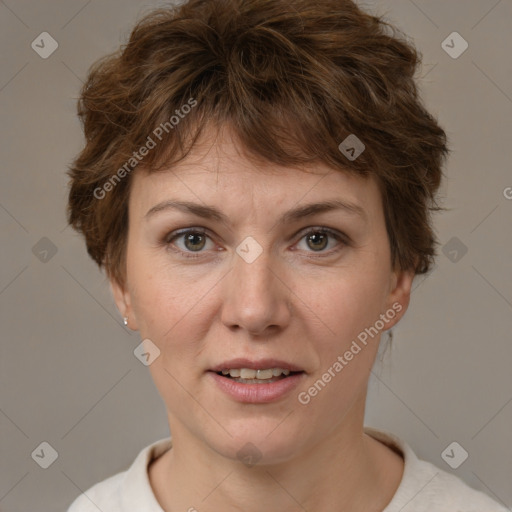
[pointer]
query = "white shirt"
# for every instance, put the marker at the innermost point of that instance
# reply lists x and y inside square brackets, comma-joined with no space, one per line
[423,488]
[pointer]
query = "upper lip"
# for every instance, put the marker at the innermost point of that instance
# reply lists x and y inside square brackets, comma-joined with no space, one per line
[259,364]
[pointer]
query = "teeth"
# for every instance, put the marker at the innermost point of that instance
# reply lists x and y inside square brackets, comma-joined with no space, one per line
[249,373]
[246,373]
[264,374]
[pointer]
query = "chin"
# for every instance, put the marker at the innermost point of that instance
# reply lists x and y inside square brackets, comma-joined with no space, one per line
[259,442]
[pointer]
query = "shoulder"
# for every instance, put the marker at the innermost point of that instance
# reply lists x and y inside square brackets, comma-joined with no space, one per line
[103,495]
[445,492]
[427,488]
[125,491]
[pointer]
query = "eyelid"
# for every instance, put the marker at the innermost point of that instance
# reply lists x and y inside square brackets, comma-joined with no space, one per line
[184,231]
[340,235]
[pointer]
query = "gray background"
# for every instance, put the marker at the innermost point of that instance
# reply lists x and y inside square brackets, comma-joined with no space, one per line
[68,373]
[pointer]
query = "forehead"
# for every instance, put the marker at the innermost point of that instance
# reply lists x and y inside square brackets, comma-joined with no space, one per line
[217,171]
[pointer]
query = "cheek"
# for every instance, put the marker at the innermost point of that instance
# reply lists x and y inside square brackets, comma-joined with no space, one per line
[170,304]
[351,302]
[349,309]
[170,313]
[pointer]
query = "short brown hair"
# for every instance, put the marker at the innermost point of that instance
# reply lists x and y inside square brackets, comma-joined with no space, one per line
[293,78]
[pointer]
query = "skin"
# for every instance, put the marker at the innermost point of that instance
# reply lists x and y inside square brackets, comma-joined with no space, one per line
[290,303]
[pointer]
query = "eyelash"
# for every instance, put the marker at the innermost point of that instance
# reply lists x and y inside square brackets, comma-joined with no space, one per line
[340,237]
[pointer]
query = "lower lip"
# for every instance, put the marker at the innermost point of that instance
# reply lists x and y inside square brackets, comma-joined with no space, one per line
[257,393]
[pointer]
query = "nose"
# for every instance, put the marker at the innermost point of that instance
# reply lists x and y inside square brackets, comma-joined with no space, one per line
[256,297]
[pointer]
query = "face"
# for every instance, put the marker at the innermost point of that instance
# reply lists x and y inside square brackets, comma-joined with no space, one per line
[255,283]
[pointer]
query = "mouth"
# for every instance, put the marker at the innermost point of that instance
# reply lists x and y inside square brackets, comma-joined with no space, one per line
[257,382]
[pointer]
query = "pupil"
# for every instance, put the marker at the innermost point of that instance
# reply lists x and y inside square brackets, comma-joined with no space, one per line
[190,237]
[316,236]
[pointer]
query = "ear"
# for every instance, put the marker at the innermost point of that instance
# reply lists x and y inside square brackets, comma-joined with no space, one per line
[399,294]
[122,298]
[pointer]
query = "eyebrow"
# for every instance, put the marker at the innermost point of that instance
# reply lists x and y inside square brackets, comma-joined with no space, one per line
[210,212]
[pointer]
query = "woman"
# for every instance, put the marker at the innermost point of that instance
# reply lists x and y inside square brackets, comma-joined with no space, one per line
[257,181]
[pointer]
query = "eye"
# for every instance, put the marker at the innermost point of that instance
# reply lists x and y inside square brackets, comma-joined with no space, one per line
[193,240]
[317,239]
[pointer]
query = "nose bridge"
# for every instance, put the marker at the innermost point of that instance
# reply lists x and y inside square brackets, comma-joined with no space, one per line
[255,297]
[252,268]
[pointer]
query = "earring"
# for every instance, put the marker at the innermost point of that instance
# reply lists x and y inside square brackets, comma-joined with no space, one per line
[125,320]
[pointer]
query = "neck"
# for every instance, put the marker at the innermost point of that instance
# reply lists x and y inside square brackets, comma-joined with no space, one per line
[347,467]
